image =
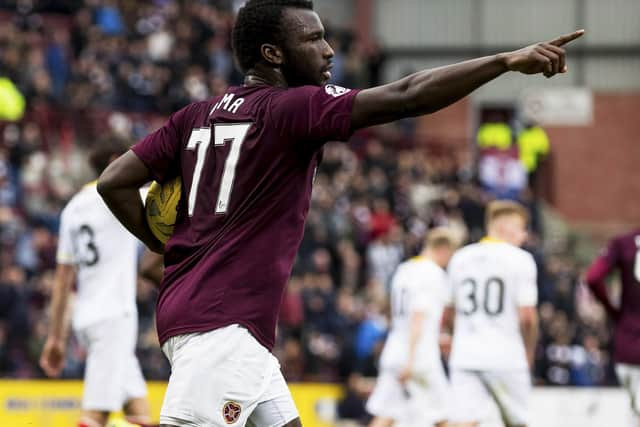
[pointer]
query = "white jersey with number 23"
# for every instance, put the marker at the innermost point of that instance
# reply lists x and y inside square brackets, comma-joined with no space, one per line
[105,256]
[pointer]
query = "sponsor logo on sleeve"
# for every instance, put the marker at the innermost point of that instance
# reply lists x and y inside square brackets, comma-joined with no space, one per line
[335,90]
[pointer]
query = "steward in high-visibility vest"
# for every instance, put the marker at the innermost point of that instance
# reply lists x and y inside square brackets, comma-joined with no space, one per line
[12,102]
[494,135]
[533,144]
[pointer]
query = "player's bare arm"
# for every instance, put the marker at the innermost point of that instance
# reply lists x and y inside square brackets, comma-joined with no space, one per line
[446,329]
[529,330]
[431,90]
[52,358]
[119,187]
[152,267]
[415,332]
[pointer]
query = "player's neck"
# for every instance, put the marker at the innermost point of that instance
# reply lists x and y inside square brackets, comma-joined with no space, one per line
[493,238]
[496,238]
[265,76]
[429,256]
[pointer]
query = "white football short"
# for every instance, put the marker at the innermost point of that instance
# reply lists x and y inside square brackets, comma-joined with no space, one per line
[475,393]
[112,373]
[224,377]
[629,377]
[422,401]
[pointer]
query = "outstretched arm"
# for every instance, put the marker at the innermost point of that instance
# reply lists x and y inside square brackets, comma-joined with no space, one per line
[119,186]
[431,90]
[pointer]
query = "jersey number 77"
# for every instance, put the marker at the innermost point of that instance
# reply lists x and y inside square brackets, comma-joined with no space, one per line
[224,133]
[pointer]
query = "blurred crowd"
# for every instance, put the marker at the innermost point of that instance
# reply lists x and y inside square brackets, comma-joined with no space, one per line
[95,69]
[153,56]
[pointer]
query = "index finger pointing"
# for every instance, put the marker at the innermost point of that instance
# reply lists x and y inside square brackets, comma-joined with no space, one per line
[562,40]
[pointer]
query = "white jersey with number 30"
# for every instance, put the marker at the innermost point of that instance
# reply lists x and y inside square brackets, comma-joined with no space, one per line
[105,256]
[419,285]
[491,281]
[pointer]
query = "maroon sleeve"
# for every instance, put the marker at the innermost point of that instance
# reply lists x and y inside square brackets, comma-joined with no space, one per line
[314,113]
[606,262]
[598,272]
[160,150]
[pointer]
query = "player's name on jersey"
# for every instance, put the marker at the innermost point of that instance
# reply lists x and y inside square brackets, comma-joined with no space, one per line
[228,103]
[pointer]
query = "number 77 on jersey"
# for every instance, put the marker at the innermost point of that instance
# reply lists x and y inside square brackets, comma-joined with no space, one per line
[199,141]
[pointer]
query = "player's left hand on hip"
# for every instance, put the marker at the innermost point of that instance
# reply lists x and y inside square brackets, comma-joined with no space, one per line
[548,58]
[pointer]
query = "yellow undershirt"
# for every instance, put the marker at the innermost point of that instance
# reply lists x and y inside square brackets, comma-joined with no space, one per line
[487,239]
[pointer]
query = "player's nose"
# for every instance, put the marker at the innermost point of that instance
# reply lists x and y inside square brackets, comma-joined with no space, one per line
[328,51]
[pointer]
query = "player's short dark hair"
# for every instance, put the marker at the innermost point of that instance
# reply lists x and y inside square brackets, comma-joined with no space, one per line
[259,22]
[101,154]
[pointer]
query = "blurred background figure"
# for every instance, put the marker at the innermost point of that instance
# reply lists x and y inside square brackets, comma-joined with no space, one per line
[412,388]
[622,254]
[96,253]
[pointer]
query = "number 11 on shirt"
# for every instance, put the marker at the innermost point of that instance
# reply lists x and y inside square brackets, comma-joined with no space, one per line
[199,140]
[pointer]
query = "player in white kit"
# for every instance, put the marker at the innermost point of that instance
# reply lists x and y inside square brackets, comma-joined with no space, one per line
[98,254]
[412,388]
[495,328]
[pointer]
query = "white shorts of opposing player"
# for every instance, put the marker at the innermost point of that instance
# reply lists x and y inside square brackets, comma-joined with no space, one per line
[224,378]
[477,392]
[112,374]
[629,377]
[422,401]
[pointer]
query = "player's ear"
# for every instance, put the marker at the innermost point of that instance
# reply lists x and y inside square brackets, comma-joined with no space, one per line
[272,54]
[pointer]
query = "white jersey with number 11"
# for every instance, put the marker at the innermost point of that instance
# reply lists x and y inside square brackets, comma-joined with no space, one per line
[419,285]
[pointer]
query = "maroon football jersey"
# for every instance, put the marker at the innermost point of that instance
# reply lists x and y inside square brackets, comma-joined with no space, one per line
[247,162]
[623,254]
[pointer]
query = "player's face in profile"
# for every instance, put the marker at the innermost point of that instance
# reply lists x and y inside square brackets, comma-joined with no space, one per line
[443,254]
[448,253]
[307,53]
[515,228]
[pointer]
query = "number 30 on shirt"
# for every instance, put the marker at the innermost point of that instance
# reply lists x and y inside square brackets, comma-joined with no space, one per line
[224,133]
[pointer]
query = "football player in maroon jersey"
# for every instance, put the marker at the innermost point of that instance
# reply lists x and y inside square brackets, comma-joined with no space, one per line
[622,255]
[247,160]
